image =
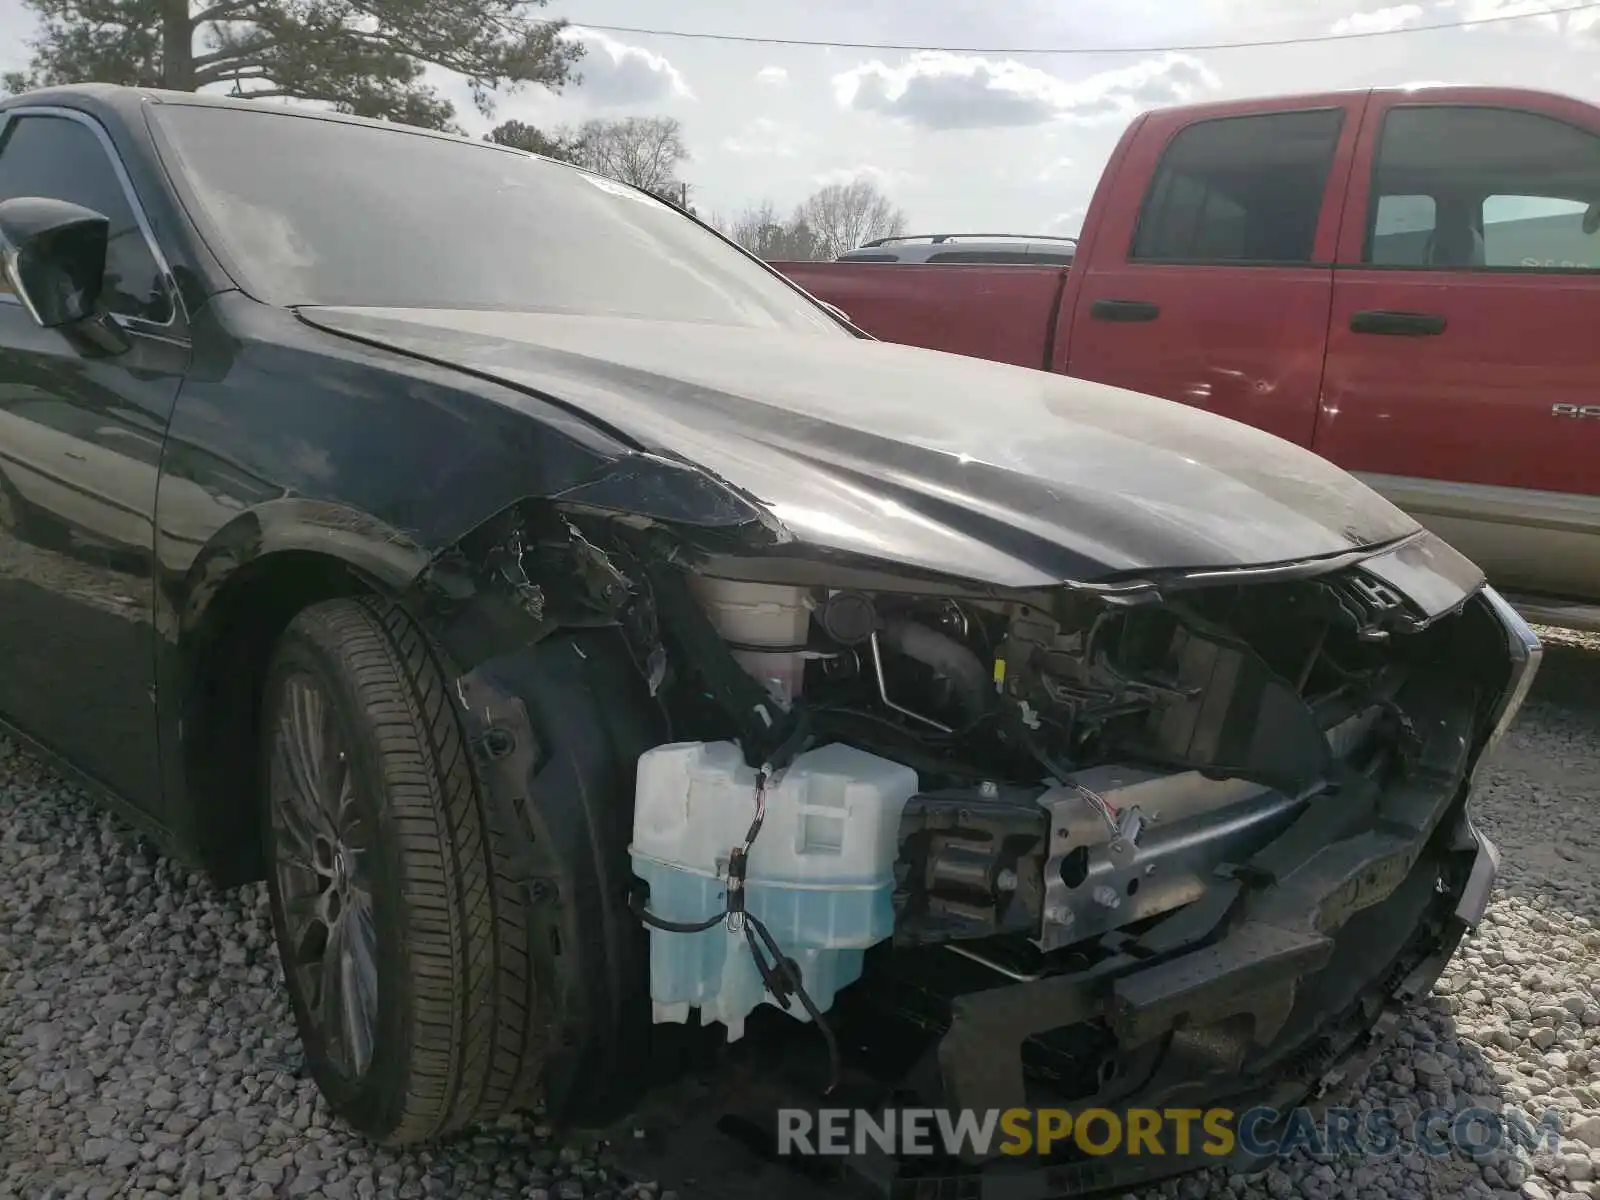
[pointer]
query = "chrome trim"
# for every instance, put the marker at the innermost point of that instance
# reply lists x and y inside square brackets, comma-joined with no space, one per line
[1480,882]
[1140,585]
[1564,614]
[13,279]
[1526,653]
[139,216]
[1294,568]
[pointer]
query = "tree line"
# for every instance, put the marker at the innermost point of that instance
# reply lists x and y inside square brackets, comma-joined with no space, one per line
[365,57]
[646,152]
[369,58]
[649,152]
[833,219]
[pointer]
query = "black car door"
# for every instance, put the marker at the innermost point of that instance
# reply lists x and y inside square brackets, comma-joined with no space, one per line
[80,451]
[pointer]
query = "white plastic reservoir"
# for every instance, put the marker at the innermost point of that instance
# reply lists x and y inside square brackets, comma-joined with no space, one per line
[767,624]
[820,875]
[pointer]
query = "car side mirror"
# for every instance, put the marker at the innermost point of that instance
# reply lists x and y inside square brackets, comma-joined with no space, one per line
[54,257]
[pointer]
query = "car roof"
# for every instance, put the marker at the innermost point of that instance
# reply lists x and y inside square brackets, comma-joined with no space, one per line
[955,247]
[1427,93]
[126,103]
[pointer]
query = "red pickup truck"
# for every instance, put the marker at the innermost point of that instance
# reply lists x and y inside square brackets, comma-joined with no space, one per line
[1405,280]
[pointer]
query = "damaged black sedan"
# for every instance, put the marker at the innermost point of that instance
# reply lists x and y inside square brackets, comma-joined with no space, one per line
[590,638]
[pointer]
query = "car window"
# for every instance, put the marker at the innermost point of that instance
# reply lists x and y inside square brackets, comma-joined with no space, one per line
[1401,229]
[869,258]
[1484,187]
[319,212]
[62,159]
[1537,231]
[1240,189]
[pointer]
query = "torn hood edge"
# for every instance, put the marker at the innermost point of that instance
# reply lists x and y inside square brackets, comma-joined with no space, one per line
[1111,489]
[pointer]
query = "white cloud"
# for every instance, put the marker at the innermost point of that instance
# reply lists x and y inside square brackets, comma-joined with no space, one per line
[1381,20]
[939,90]
[764,136]
[1068,223]
[1528,14]
[618,75]
[772,76]
[885,177]
[1052,170]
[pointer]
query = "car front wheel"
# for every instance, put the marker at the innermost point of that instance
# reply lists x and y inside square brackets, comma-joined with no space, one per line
[403,948]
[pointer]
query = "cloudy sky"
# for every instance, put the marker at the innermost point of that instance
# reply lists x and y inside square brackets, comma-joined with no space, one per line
[997,140]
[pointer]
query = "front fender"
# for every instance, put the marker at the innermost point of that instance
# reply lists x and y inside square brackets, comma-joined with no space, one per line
[388,557]
[299,464]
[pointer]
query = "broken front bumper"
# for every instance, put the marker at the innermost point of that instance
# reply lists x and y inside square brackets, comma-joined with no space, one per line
[1389,960]
[1278,986]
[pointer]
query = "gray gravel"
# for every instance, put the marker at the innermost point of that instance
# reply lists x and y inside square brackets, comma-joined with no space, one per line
[146,1047]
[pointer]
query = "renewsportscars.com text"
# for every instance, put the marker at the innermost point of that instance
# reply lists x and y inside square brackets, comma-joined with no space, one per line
[1217,1132]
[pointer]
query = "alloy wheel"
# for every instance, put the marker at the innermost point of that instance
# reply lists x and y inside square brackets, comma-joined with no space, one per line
[322,862]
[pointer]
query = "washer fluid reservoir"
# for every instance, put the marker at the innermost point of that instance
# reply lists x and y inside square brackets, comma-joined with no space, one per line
[820,874]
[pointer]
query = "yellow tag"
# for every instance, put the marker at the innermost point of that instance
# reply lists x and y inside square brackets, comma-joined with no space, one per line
[999,672]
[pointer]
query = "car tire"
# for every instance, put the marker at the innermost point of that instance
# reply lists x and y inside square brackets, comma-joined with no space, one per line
[402,941]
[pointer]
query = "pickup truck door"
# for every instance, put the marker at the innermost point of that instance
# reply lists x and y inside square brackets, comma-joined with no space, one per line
[1463,379]
[1208,270]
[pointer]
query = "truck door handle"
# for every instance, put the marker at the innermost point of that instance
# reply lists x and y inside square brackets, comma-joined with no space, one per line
[1396,324]
[1124,310]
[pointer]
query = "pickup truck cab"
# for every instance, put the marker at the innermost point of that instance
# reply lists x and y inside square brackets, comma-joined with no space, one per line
[1406,281]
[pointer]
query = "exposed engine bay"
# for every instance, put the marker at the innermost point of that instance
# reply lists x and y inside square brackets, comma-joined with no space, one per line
[986,842]
[1010,780]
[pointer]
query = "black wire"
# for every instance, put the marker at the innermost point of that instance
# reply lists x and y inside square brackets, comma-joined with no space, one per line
[666,926]
[1174,48]
[759,819]
[791,979]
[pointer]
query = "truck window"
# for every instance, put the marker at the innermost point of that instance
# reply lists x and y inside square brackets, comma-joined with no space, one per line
[1475,186]
[1537,231]
[1401,229]
[1240,189]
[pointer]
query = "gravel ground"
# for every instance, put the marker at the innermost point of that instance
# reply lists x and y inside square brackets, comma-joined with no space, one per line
[146,1048]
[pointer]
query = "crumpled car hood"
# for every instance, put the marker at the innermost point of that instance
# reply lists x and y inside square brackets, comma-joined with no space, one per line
[975,469]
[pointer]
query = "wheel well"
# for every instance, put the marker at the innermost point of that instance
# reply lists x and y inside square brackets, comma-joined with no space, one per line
[227,658]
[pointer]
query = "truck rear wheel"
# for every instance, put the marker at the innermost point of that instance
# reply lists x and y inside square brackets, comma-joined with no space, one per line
[403,947]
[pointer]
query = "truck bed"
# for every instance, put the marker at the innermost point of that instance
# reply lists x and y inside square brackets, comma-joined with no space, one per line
[1004,313]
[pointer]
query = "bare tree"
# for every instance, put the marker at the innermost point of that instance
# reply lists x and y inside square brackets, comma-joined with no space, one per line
[762,231]
[748,226]
[643,151]
[843,215]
